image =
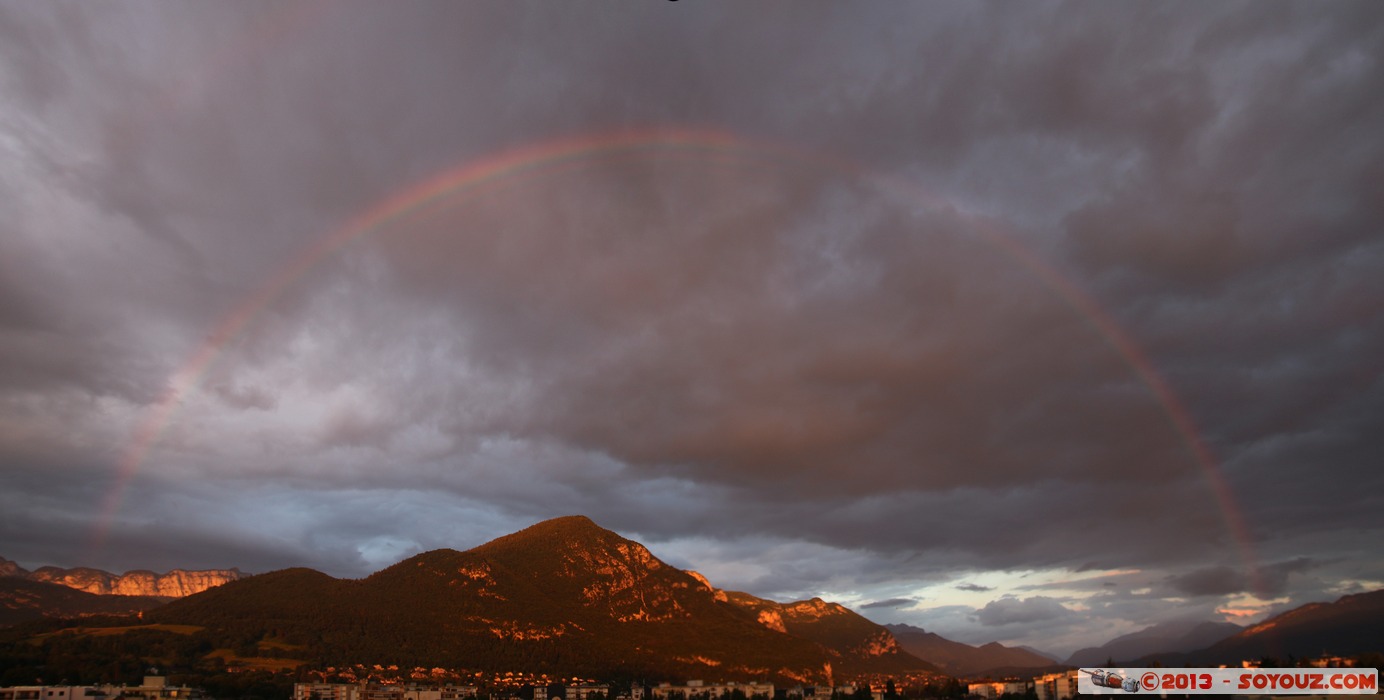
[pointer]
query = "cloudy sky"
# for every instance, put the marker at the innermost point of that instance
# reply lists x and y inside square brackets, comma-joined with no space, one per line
[1029,322]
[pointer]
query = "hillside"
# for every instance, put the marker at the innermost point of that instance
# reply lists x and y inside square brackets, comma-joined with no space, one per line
[872,647]
[564,596]
[1166,637]
[23,600]
[1353,624]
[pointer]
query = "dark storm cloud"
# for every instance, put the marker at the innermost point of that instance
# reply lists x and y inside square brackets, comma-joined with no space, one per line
[795,375]
[1220,580]
[889,603]
[765,349]
[1009,611]
[1271,579]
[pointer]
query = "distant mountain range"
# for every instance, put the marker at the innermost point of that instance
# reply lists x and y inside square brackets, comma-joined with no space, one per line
[569,598]
[1174,637]
[174,584]
[1354,624]
[1055,659]
[960,659]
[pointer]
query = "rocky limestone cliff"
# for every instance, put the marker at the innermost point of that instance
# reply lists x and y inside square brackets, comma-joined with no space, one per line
[606,572]
[831,624]
[174,584]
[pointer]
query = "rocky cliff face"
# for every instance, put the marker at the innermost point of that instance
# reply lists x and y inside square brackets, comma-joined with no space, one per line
[174,584]
[847,636]
[9,568]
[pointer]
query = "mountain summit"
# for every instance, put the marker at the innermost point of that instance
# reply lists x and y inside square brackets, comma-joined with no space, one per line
[564,596]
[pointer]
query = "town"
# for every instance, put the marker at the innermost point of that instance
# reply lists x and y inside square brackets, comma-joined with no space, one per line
[540,687]
[379,682]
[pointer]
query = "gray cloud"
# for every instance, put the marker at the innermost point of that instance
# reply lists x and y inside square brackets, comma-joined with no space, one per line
[889,603]
[1008,611]
[1269,580]
[983,282]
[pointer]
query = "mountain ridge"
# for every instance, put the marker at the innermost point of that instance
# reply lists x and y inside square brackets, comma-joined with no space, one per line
[1352,624]
[1174,637]
[564,596]
[176,583]
[568,596]
[963,659]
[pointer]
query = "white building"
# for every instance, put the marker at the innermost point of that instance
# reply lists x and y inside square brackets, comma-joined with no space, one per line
[439,692]
[1056,686]
[153,688]
[326,691]
[698,689]
[376,691]
[586,691]
[995,689]
[52,692]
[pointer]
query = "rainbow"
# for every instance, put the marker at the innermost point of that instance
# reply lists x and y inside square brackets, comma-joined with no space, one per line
[464,179]
[509,165]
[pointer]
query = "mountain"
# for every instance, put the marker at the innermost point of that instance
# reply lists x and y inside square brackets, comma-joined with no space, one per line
[1166,637]
[831,625]
[1352,625]
[963,659]
[1047,655]
[564,597]
[9,568]
[174,584]
[22,600]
